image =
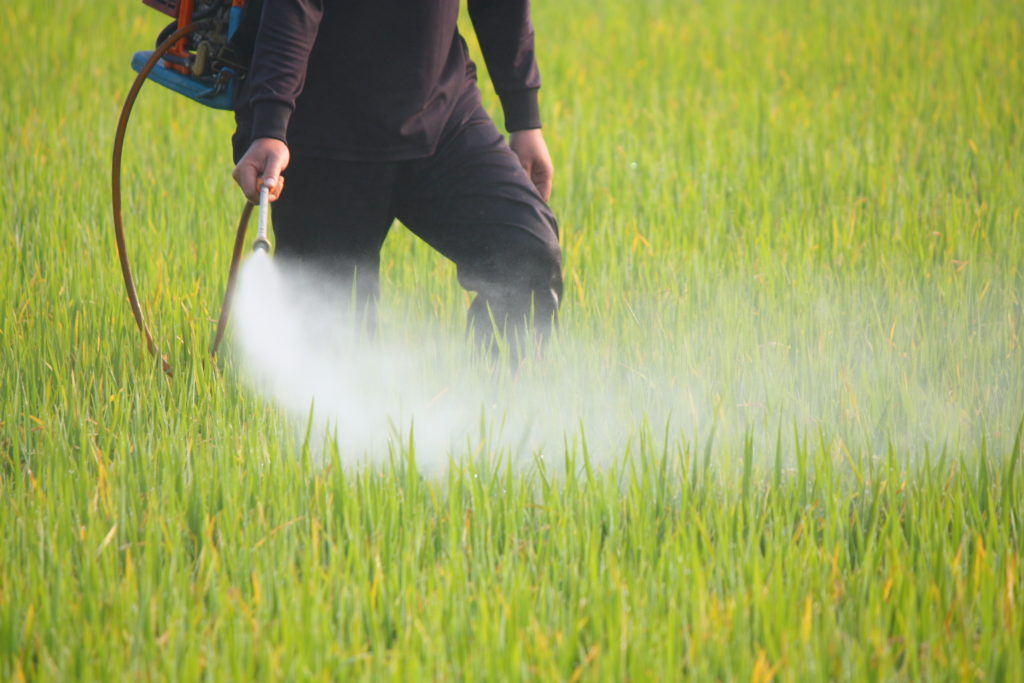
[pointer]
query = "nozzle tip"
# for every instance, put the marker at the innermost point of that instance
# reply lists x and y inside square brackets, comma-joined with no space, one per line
[261,245]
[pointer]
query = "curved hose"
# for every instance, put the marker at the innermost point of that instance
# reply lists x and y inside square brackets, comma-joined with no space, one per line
[229,290]
[122,251]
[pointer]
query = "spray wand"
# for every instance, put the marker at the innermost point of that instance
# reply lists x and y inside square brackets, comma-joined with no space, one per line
[262,243]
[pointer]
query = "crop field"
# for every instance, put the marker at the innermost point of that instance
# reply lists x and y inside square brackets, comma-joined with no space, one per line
[777,436]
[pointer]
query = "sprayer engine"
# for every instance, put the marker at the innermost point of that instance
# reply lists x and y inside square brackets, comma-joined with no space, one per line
[205,65]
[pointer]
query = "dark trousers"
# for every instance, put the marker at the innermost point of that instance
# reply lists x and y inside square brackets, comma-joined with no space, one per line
[471,201]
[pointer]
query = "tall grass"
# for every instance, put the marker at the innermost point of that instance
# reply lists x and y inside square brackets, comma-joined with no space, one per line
[780,430]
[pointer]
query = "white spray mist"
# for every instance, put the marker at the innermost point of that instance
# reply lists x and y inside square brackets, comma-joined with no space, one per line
[830,372]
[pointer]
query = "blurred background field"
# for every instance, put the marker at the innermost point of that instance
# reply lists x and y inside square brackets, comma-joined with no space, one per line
[775,438]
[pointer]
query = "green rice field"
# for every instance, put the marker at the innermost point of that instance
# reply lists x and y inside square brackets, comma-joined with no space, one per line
[778,436]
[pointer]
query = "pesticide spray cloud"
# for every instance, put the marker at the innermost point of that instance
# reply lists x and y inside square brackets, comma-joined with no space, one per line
[370,398]
[864,371]
[304,352]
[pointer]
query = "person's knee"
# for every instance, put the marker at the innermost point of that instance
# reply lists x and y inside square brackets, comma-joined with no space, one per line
[529,283]
[538,264]
[523,260]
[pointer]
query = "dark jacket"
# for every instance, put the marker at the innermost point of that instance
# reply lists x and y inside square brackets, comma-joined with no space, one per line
[378,79]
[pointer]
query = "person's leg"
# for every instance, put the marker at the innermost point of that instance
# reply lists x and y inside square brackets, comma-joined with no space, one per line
[474,203]
[331,221]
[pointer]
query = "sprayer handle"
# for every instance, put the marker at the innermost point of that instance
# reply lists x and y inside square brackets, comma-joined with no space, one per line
[262,243]
[261,231]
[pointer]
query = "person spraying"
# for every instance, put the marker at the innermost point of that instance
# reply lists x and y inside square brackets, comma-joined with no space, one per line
[372,113]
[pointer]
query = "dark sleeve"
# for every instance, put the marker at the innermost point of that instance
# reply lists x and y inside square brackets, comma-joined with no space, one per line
[505,33]
[285,38]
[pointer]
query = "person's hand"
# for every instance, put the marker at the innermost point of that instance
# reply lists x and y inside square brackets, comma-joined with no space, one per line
[262,165]
[533,154]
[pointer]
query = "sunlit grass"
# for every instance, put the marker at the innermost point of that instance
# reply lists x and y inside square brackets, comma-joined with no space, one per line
[777,437]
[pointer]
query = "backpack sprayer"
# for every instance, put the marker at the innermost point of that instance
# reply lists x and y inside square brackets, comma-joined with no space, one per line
[198,56]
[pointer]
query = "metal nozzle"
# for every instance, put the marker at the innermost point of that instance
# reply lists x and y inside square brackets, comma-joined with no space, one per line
[262,243]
